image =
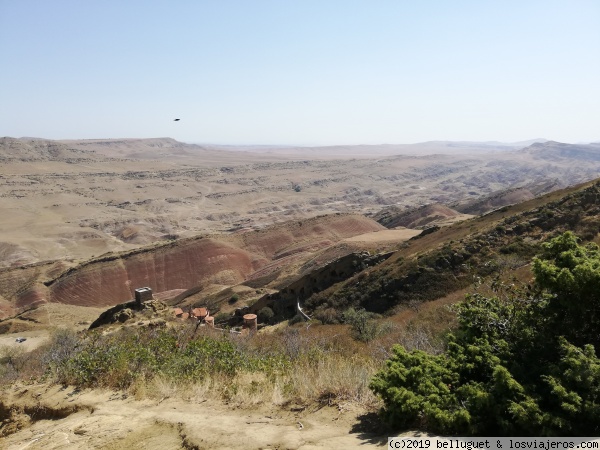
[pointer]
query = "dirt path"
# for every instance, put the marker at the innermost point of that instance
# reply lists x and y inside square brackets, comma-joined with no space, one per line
[54,417]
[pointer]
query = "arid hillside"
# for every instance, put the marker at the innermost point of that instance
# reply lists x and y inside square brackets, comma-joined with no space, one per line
[180,264]
[328,267]
[452,258]
[412,285]
[419,217]
[86,222]
[72,200]
[552,151]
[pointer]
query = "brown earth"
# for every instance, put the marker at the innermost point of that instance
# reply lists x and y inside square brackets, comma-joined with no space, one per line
[497,200]
[182,264]
[385,235]
[76,199]
[37,321]
[424,216]
[63,202]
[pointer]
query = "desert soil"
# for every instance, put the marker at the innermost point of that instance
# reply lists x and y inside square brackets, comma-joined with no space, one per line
[76,199]
[33,339]
[66,418]
[385,235]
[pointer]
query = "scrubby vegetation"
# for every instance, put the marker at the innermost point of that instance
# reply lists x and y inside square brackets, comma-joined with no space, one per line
[265,315]
[513,358]
[292,365]
[520,363]
[520,359]
[121,359]
[440,263]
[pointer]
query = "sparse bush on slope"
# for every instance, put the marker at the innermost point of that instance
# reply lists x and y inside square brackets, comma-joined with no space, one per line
[520,363]
[292,364]
[363,327]
[265,315]
[121,359]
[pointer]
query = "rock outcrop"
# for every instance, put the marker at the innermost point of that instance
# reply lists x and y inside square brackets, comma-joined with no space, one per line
[121,313]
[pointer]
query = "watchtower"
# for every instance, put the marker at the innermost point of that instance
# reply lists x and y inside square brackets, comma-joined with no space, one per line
[142,295]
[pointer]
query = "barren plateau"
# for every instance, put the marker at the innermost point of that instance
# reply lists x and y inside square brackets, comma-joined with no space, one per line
[86,222]
[72,200]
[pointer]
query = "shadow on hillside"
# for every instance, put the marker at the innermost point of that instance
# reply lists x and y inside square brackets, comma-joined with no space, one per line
[372,429]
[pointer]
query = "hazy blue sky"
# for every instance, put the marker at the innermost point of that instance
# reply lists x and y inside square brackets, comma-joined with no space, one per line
[301,71]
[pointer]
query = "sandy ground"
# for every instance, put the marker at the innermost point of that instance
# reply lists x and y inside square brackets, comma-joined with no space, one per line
[451,220]
[385,235]
[93,419]
[33,339]
[37,322]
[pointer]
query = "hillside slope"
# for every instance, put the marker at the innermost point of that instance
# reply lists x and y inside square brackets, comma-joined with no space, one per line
[79,199]
[182,264]
[39,150]
[553,151]
[454,257]
[395,216]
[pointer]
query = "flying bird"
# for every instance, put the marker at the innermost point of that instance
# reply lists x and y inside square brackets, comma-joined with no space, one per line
[176,120]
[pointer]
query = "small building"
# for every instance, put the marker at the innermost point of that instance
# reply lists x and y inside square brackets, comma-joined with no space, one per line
[142,295]
[200,313]
[250,322]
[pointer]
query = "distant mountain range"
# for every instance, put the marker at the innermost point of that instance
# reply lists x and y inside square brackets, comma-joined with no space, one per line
[159,148]
[551,150]
[422,148]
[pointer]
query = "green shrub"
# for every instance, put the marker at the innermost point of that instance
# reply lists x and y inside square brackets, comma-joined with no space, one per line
[222,317]
[417,390]
[519,364]
[118,360]
[364,328]
[327,316]
[265,315]
[296,319]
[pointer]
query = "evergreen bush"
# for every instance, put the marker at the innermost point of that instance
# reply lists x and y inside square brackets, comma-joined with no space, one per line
[522,363]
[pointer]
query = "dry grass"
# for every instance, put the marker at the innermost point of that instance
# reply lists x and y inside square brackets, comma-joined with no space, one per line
[334,378]
[331,379]
[304,365]
[323,364]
